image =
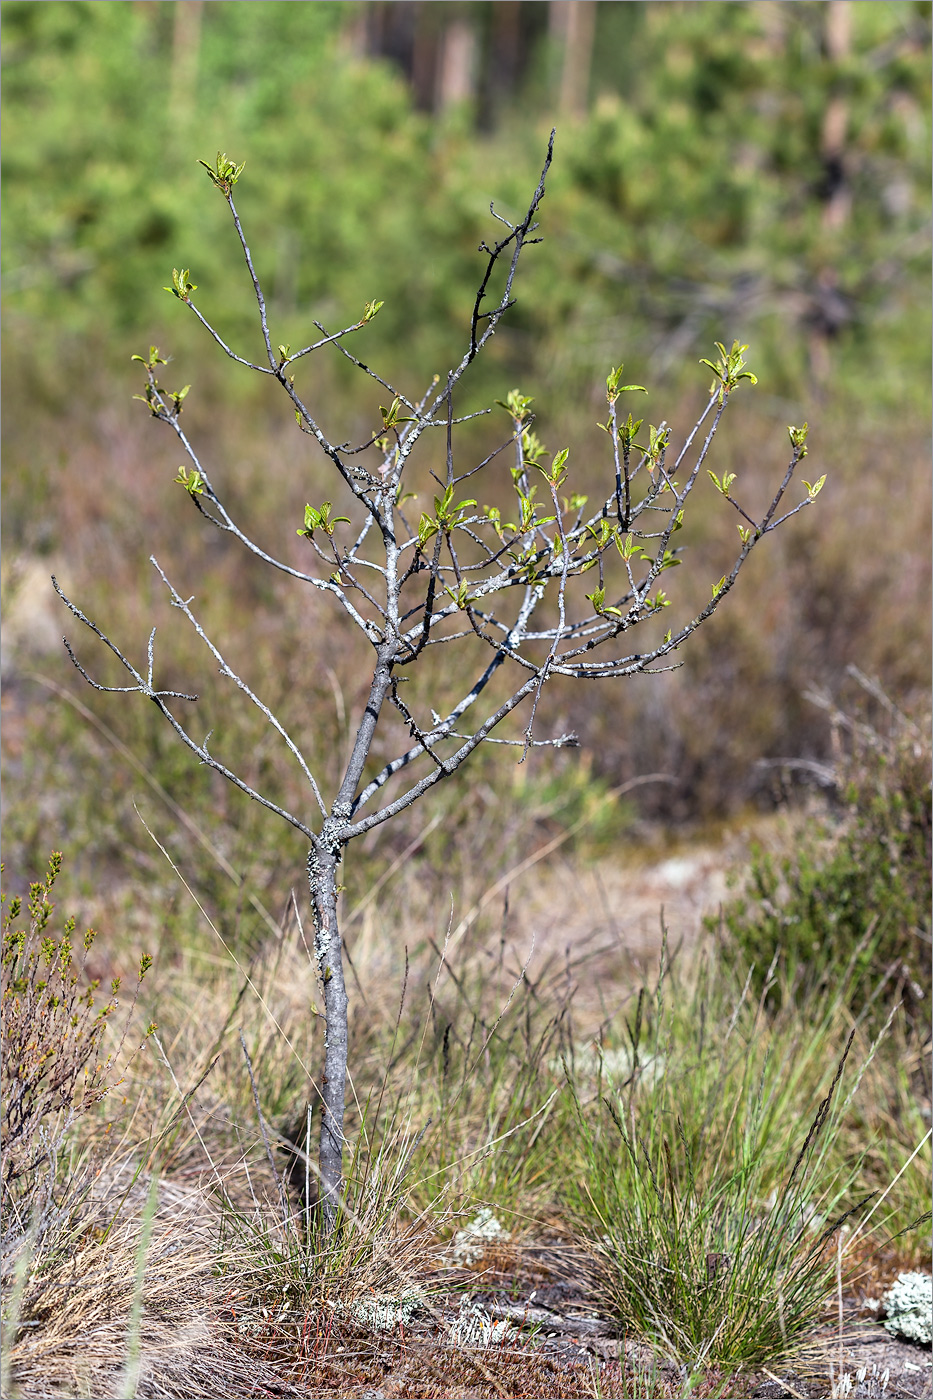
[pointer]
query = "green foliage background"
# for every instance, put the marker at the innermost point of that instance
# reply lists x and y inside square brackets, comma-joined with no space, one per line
[693,189]
[687,205]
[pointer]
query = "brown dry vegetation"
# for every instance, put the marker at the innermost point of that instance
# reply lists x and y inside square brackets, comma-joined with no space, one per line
[165,1267]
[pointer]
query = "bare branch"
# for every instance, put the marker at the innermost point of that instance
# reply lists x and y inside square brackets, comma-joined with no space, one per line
[260,369]
[325,340]
[158,699]
[260,299]
[517,235]
[142,686]
[227,670]
[450,766]
[442,728]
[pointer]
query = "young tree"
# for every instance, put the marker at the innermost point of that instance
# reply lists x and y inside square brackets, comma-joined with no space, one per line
[551,587]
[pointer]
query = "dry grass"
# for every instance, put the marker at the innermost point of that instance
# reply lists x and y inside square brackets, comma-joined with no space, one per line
[118,1302]
[461,1052]
[201,1287]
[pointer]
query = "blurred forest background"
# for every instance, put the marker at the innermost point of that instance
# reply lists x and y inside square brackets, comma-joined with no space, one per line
[757,171]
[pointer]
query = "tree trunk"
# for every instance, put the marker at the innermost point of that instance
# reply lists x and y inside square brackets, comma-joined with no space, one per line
[456,78]
[323,860]
[572,25]
[322,874]
[186,45]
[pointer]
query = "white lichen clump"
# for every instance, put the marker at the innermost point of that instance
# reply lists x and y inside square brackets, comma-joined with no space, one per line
[909,1307]
[471,1243]
[383,1313]
[475,1328]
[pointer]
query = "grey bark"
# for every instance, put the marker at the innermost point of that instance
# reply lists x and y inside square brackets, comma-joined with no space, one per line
[323,860]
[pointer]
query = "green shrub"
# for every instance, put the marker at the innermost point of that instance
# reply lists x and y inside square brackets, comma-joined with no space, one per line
[51,1066]
[855,886]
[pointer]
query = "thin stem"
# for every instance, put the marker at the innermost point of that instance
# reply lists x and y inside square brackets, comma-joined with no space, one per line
[248,364]
[227,670]
[260,299]
[158,699]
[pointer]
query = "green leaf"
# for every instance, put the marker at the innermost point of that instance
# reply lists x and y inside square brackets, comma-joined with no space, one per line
[224,173]
[814,490]
[598,599]
[392,415]
[321,520]
[516,405]
[461,597]
[532,449]
[603,533]
[371,309]
[614,388]
[153,358]
[668,561]
[658,438]
[729,369]
[557,473]
[494,516]
[627,549]
[181,286]
[722,486]
[193,482]
[798,438]
[628,431]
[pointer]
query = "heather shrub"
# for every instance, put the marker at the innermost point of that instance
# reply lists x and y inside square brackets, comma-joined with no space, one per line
[53,1066]
[855,884]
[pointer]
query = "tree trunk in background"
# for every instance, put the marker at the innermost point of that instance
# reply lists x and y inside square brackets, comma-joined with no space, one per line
[469,52]
[186,44]
[353,39]
[456,71]
[572,28]
[506,55]
[423,59]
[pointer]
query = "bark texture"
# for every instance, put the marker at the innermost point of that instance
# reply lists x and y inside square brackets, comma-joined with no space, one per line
[322,874]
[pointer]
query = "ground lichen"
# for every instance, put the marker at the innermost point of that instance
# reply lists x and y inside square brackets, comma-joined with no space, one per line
[909,1307]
